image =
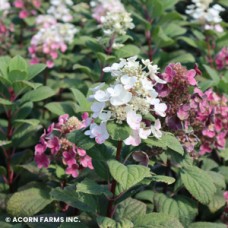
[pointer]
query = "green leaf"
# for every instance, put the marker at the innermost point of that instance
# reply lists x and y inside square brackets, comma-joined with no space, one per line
[105,222]
[5,102]
[155,142]
[223,2]
[161,39]
[189,41]
[18,69]
[164,179]
[118,132]
[198,183]
[91,187]
[167,4]
[33,122]
[173,143]
[75,199]
[28,202]
[141,20]
[207,225]
[183,58]
[23,84]
[167,140]
[60,108]
[217,202]
[208,164]
[127,51]
[212,73]
[155,8]
[129,209]
[173,30]
[60,172]
[156,220]
[34,70]
[128,176]
[84,69]
[81,140]
[39,94]
[4,63]
[105,58]
[180,207]
[2,170]
[84,104]
[218,179]
[224,170]
[4,142]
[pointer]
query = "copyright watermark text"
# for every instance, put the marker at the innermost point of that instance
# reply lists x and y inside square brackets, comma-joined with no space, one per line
[42,219]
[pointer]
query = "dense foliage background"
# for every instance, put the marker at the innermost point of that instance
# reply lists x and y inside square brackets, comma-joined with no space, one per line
[147,148]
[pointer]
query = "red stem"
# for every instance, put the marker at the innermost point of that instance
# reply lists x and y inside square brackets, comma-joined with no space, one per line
[9,134]
[8,152]
[108,51]
[149,43]
[148,35]
[111,209]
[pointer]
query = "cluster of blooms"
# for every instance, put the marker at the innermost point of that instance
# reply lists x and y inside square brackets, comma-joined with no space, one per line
[52,36]
[53,145]
[112,17]
[211,111]
[5,30]
[102,7]
[4,6]
[209,16]
[200,117]
[59,10]
[27,7]
[128,100]
[221,59]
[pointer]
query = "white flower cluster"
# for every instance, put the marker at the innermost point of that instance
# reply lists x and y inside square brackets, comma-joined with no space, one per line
[129,99]
[116,23]
[101,7]
[113,17]
[57,33]
[59,10]
[200,11]
[4,6]
[53,36]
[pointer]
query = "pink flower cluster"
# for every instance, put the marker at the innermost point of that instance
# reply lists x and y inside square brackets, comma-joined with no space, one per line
[198,118]
[27,8]
[211,111]
[176,91]
[6,37]
[221,59]
[102,7]
[51,39]
[54,145]
[50,50]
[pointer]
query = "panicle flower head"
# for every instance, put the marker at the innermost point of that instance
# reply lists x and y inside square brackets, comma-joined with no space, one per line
[54,145]
[128,100]
[176,91]
[52,38]
[4,6]
[54,34]
[112,16]
[201,11]
[221,59]
[211,110]
[200,118]
[116,23]
[102,7]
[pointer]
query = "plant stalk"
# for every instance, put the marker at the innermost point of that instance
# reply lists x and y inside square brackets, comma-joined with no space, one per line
[111,209]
